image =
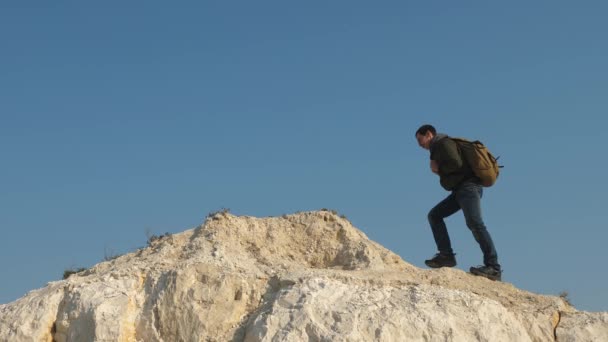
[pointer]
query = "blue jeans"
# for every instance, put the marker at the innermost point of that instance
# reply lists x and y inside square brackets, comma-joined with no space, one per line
[467,197]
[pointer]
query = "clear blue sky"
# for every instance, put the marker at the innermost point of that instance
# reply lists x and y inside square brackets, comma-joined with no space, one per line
[117,119]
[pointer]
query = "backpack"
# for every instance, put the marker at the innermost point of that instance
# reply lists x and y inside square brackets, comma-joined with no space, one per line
[479,158]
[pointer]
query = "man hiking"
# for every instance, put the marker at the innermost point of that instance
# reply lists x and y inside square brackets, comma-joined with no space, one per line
[456,175]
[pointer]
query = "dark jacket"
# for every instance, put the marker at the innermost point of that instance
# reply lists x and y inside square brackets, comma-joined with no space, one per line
[453,170]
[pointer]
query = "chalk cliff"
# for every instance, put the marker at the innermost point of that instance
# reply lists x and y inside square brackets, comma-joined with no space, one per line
[309,276]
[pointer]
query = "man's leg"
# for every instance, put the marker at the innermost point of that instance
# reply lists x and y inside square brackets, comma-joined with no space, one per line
[442,210]
[469,197]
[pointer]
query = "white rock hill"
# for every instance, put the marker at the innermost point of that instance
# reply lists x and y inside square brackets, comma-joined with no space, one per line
[304,277]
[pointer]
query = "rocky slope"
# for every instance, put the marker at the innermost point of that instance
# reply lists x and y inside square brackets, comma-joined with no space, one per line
[304,277]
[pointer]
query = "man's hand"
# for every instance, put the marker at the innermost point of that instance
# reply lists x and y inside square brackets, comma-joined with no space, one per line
[434,166]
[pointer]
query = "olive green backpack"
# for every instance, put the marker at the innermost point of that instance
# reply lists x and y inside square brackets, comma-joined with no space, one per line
[479,158]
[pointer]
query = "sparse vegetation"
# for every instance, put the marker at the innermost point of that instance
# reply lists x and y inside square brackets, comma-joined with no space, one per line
[110,255]
[215,215]
[335,212]
[564,296]
[152,238]
[330,210]
[67,273]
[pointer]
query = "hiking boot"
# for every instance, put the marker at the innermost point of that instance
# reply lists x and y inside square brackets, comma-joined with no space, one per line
[441,260]
[487,272]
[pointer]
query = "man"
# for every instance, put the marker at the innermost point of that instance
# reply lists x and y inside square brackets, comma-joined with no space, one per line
[456,175]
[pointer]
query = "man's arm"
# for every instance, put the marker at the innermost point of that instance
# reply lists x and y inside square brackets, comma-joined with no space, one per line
[449,161]
[434,166]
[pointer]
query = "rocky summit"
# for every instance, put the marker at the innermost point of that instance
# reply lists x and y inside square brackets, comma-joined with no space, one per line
[309,276]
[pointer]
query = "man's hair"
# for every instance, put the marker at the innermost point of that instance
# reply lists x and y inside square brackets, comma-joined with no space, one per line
[424,129]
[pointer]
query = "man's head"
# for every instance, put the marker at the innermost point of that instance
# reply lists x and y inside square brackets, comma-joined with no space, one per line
[424,135]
